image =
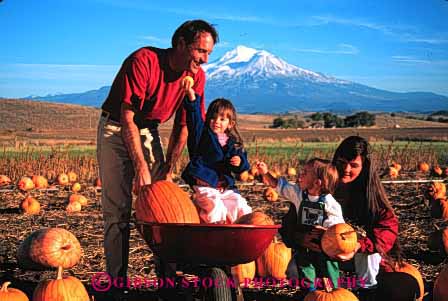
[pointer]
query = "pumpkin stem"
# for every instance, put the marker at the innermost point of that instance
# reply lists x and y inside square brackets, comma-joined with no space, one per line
[5,287]
[66,247]
[327,285]
[346,233]
[60,271]
[275,240]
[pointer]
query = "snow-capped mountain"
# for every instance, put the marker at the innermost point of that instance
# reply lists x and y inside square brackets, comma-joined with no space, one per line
[258,81]
[258,64]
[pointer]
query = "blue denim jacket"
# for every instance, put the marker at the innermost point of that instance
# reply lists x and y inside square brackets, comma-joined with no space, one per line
[209,161]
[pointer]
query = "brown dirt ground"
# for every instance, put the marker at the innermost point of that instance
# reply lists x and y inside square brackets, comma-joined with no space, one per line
[407,199]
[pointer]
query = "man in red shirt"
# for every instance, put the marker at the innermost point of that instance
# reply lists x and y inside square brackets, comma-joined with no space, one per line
[147,91]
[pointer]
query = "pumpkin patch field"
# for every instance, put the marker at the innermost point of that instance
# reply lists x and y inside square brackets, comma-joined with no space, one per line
[56,220]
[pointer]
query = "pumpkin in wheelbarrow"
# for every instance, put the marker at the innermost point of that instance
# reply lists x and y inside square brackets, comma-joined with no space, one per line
[255,218]
[165,202]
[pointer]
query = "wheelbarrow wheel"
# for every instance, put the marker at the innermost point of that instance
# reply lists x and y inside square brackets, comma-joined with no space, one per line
[220,290]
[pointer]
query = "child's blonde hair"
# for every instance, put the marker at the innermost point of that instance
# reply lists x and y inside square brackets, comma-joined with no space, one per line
[326,172]
[225,106]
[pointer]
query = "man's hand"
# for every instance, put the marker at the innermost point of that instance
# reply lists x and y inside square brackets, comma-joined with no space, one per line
[142,178]
[235,161]
[164,173]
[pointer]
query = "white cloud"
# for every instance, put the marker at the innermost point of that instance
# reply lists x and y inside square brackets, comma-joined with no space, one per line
[408,59]
[434,41]
[341,49]
[354,22]
[156,39]
[402,33]
[412,60]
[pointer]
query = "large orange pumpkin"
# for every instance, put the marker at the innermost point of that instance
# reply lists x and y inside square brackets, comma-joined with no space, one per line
[73,207]
[165,202]
[436,190]
[440,290]
[338,294]
[63,179]
[255,218]
[11,294]
[437,171]
[4,180]
[40,182]
[393,172]
[243,272]
[49,247]
[25,183]
[72,177]
[274,260]
[244,176]
[423,167]
[339,239]
[396,165]
[78,198]
[30,206]
[413,271]
[291,171]
[61,289]
[76,187]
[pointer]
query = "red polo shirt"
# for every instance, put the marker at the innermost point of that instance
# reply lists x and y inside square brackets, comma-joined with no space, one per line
[147,75]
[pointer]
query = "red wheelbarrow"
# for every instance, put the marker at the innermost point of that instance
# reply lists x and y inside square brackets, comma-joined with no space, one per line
[212,247]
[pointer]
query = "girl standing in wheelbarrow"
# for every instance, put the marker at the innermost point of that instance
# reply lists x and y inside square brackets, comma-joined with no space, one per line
[312,206]
[216,152]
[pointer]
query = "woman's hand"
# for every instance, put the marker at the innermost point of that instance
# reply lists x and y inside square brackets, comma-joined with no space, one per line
[309,241]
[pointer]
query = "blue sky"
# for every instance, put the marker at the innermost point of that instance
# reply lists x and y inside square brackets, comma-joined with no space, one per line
[68,46]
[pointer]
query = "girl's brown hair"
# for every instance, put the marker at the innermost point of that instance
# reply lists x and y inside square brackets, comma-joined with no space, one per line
[225,106]
[326,172]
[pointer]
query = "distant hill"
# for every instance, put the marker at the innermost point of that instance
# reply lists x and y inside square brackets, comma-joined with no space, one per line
[258,81]
[32,115]
[27,122]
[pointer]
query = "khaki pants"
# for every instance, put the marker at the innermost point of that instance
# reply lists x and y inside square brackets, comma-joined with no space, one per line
[117,174]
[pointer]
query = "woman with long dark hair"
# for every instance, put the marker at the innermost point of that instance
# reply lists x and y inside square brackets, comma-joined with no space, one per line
[365,204]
